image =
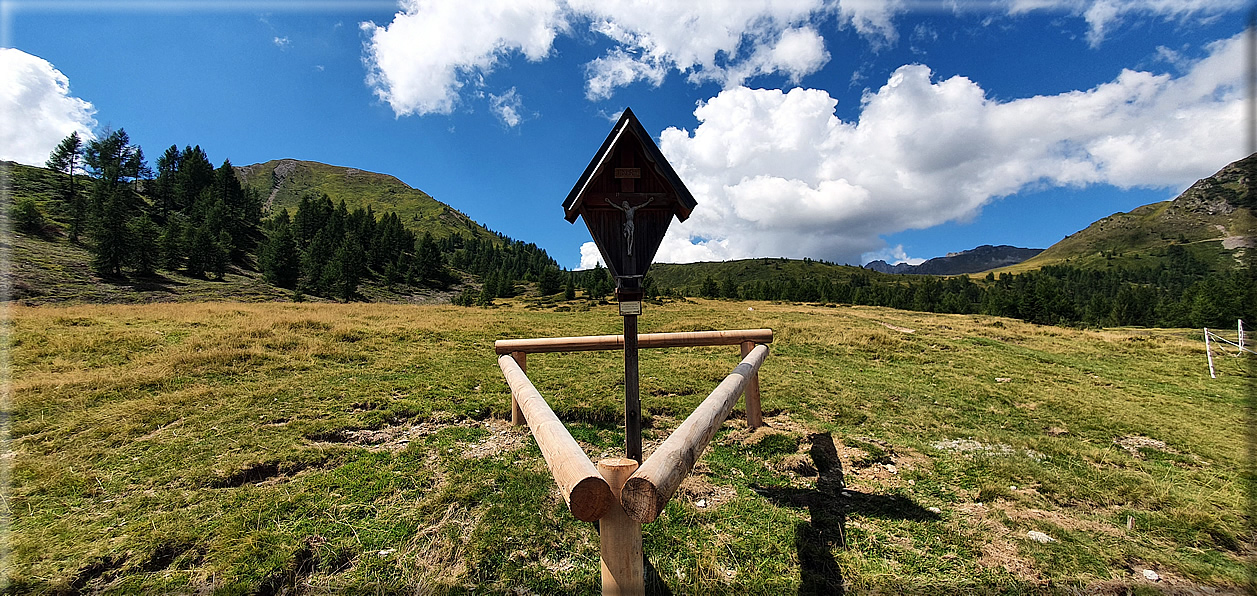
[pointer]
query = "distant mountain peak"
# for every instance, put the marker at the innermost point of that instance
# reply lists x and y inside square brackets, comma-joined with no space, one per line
[284,181]
[974,260]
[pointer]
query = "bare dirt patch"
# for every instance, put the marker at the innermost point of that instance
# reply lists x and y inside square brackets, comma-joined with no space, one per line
[1138,447]
[701,493]
[1234,242]
[972,447]
[1132,443]
[1059,519]
[1001,552]
[503,436]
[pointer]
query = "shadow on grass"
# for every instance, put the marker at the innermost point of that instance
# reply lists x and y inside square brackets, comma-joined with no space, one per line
[655,585]
[828,505]
[153,282]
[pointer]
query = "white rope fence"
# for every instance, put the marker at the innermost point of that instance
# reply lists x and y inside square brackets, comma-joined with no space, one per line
[1213,339]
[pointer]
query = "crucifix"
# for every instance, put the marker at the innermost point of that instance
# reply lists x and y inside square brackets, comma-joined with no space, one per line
[629,167]
[629,214]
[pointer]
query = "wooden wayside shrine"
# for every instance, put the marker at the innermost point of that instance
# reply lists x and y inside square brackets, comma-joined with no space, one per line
[628,195]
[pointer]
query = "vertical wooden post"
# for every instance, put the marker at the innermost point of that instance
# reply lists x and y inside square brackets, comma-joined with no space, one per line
[754,416]
[623,569]
[517,415]
[632,399]
[1209,355]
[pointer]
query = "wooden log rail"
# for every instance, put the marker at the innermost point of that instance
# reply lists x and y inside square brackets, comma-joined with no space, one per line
[646,340]
[746,338]
[648,490]
[587,494]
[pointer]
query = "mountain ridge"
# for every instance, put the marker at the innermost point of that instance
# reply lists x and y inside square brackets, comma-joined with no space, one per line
[1213,219]
[974,260]
[284,181]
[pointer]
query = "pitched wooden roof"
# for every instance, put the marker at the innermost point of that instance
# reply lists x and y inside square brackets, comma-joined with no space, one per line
[629,130]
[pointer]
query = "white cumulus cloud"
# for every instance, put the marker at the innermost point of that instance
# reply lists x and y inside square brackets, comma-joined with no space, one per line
[894,256]
[420,61]
[508,107]
[589,256]
[779,174]
[36,108]
[1102,16]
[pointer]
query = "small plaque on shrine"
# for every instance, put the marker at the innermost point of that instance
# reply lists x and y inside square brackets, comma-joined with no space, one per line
[633,308]
[628,172]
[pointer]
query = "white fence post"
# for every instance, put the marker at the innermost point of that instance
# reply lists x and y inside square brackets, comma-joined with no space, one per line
[1239,324]
[1209,355]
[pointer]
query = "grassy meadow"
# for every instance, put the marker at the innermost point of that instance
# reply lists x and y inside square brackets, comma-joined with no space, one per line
[366,448]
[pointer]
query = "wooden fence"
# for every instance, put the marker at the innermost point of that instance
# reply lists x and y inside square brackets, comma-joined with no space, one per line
[747,339]
[617,492]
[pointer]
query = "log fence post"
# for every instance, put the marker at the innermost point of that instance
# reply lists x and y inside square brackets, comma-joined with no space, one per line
[623,568]
[754,416]
[517,415]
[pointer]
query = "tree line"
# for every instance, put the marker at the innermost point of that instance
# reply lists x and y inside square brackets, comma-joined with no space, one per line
[1179,292]
[327,250]
[186,215]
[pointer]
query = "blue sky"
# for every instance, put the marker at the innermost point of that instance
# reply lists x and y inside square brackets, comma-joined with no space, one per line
[844,130]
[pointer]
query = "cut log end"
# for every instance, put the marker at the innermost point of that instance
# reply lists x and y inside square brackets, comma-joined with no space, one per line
[640,500]
[590,499]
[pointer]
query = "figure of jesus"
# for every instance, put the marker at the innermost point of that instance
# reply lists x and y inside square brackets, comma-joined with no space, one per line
[629,214]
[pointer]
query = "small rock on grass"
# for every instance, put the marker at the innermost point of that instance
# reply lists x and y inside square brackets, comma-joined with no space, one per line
[1038,536]
[1151,575]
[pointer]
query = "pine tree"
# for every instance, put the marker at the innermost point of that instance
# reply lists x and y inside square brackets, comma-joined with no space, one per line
[315,258]
[112,245]
[278,256]
[489,290]
[569,288]
[27,217]
[199,248]
[171,243]
[145,251]
[163,194]
[550,282]
[346,268]
[238,220]
[113,160]
[220,254]
[66,158]
[709,288]
[430,262]
[195,175]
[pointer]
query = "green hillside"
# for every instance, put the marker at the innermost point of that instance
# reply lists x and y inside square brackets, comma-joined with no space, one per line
[1213,220]
[48,266]
[282,183]
[688,278]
